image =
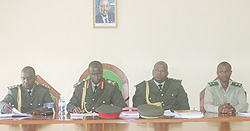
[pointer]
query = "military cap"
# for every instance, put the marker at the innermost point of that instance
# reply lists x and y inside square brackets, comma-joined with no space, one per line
[150,111]
[109,111]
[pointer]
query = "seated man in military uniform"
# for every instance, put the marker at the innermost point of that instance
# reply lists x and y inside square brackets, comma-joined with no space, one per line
[225,95]
[161,90]
[90,94]
[27,97]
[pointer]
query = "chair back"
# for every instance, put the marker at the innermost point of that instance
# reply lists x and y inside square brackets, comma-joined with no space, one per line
[113,73]
[55,95]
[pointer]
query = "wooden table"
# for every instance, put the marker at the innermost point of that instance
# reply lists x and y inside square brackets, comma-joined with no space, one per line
[211,121]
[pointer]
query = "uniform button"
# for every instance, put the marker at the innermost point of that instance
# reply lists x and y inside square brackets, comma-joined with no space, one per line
[39,104]
[103,102]
[162,102]
[93,108]
[160,89]
[172,94]
[161,94]
[149,98]
[93,99]
[31,104]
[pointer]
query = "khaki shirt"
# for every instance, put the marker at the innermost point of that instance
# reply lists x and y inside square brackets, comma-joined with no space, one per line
[216,96]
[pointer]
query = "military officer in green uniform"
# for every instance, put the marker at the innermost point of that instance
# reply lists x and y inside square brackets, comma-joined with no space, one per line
[90,94]
[225,95]
[161,90]
[27,97]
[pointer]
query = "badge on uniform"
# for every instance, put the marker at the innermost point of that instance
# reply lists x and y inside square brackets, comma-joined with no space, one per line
[108,111]
[150,111]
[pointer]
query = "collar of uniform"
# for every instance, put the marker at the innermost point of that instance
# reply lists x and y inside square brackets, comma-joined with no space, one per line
[93,85]
[31,90]
[220,86]
[157,83]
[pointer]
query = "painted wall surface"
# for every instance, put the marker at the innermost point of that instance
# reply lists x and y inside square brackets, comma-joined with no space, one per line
[57,38]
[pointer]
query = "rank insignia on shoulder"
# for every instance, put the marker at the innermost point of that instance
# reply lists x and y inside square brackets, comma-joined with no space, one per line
[75,85]
[143,82]
[175,79]
[213,83]
[236,84]
[14,86]
[43,85]
[113,83]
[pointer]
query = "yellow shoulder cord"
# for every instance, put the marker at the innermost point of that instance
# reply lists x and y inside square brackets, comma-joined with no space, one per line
[147,95]
[19,99]
[84,90]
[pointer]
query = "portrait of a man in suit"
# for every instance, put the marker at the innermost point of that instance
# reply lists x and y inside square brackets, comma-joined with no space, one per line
[105,14]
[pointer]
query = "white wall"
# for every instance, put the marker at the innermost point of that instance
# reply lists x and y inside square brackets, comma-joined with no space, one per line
[57,38]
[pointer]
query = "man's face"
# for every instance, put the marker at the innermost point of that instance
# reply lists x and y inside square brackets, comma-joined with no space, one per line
[95,74]
[104,7]
[160,72]
[28,79]
[224,72]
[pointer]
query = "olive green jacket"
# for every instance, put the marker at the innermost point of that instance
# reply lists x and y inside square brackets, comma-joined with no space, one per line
[110,94]
[40,95]
[215,96]
[172,97]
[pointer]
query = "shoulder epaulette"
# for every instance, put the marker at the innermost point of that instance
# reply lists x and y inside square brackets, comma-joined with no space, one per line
[213,83]
[175,79]
[75,85]
[236,84]
[42,85]
[111,81]
[143,82]
[14,86]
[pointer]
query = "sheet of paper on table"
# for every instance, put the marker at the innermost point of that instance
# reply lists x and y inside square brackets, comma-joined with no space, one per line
[243,114]
[80,116]
[15,113]
[168,113]
[188,114]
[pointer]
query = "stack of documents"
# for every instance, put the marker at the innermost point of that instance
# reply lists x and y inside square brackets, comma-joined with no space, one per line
[80,116]
[15,113]
[243,114]
[188,114]
[129,114]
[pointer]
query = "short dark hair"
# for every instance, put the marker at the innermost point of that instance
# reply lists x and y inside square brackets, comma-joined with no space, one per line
[95,64]
[224,63]
[29,68]
[163,63]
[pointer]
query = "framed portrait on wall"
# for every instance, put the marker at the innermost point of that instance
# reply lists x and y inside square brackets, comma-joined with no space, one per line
[105,13]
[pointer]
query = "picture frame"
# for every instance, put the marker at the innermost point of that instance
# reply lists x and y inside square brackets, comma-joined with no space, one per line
[104,13]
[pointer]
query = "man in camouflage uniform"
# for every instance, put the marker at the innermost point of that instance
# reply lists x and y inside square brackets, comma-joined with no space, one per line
[161,90]
[90,94]
[27,97]
[225,95]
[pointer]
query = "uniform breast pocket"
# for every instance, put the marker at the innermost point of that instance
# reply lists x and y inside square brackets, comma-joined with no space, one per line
[154,97]
[171,98]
